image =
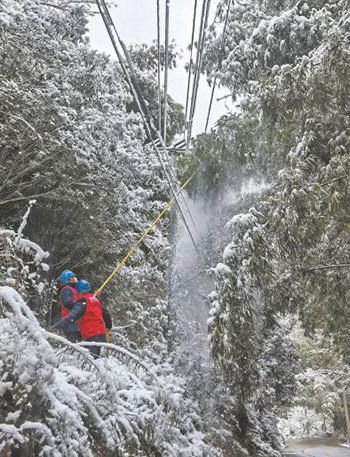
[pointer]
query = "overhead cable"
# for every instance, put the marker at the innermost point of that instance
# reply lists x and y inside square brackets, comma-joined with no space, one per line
[172,174]
[189,120]
[159,69]
[164,149]
[200,50]
[166,67]
[161,140]
[215,78]
[148,128]
[142,106]
[191,61]
[145,233]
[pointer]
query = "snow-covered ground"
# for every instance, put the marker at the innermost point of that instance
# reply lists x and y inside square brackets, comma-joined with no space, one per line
[315,448]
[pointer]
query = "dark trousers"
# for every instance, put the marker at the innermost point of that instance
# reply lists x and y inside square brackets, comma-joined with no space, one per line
[73,337]
[95,350]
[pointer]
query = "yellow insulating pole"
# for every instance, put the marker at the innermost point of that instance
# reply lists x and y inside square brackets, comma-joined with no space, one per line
[151,227]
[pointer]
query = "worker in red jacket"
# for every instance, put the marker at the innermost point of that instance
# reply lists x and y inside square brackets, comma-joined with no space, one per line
[92,319]
[67,298]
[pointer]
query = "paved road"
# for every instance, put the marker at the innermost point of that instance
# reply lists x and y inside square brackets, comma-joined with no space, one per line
[315,448]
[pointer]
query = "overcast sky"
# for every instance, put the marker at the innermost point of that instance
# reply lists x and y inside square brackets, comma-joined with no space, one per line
[136,21]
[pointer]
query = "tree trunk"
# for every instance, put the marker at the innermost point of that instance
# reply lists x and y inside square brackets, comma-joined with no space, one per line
[346,416]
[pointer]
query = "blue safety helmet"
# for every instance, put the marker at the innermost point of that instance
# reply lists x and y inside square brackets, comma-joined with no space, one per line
[66,275]
[82,286]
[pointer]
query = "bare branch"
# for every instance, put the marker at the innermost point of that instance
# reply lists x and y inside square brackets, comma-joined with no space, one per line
[224,97]
[25,122]
[29,197]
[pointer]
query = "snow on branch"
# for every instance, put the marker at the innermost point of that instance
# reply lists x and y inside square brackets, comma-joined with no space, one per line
[73,404]
[24,222]
[325,267]
[24,244]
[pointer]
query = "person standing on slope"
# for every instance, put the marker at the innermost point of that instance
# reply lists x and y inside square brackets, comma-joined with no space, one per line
[67,298]
[93,319]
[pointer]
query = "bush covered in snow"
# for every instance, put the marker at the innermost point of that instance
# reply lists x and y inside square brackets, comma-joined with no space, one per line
[58,401]
[24,268]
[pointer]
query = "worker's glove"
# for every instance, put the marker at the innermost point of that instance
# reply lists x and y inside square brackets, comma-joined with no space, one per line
[61,323]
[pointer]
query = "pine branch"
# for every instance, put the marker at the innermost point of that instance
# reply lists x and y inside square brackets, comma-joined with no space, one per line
[82,352]
[81,349]
[333,180]
[324,267]
[124,353]
[338,219]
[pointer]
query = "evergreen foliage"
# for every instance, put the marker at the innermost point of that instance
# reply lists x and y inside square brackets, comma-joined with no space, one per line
[71,140]
[286,65]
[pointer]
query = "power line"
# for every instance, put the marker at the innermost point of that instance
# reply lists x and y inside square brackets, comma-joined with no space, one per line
[191,60]
[163,147]
[167,27]
[162,141]
[200,49]
[158,52]
[145,233]
[200,57]
[142,107]
[215,79]
[166,65]
[189,123]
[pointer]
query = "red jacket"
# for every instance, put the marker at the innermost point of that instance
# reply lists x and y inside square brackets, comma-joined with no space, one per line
[91,323]
[64,311]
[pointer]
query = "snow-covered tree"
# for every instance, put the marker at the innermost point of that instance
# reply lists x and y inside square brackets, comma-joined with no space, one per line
[70,139]
[285,63]
[317,405]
